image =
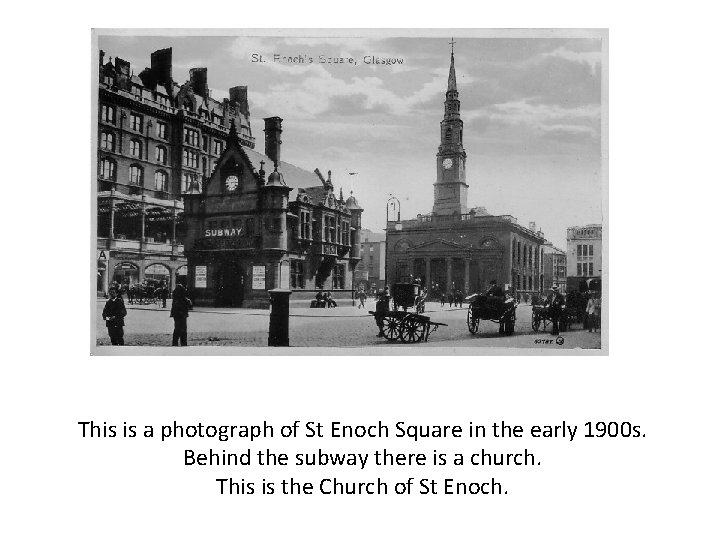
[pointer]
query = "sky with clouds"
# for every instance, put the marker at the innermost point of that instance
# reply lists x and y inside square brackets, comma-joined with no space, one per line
[531,109]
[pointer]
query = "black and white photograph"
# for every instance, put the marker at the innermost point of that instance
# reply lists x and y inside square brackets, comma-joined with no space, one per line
[374,191]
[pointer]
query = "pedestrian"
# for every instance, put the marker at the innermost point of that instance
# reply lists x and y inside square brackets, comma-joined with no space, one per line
[382,306]
[330,300]
[114,314]
[461,297]
[555,304]
[593,312]
[163,292]
[361,297]
[181,305]
[442,299]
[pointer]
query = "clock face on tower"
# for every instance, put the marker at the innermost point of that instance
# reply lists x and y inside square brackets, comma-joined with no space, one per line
[447,163]
[231,183]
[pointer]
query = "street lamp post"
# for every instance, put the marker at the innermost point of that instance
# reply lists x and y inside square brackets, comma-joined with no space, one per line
[395,202]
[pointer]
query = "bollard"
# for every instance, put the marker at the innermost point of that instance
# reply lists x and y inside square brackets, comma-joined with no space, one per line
[278,335]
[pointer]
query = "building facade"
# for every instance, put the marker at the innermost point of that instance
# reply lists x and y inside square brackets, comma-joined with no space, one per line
[248,231]
[155,137]
[455,248]
[554,269]
[370,270]
[584,251]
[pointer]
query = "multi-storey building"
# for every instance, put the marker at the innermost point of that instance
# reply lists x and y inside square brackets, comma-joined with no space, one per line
[584,251]
[554,268]
[155,137]
[248,231]
[370,270]
[455,248]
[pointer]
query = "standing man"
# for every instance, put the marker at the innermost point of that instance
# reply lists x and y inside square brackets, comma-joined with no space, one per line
[114,316]
[163,293]
[442,299]
[361,297]
[555,303]
[179,312]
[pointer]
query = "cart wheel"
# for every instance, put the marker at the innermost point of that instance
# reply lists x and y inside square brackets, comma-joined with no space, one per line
[411,330]
[536,322]
[472,323]
[391,327]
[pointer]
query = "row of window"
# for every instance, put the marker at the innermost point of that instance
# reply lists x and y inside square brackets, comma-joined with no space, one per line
[585,269]
[522,255]
[107,142]
[108,171]
[190,136]
[585,250]
[297,276]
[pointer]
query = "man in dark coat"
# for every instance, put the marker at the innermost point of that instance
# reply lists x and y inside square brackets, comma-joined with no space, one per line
[494,289]
[114,316]
[181,304]
[555,303]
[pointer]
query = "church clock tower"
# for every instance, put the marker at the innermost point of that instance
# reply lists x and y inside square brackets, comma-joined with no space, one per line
[450,187]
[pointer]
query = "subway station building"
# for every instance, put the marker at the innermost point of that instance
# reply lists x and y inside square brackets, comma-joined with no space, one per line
[259,223]
[456,248]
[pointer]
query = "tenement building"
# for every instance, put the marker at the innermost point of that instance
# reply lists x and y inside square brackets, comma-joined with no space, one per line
[370,270]
[584,251]
[456,248]
[554,269]
[259,223]
[155,136]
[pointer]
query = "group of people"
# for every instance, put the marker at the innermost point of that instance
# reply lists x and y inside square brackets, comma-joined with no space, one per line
[143,293]
[555,302]
[323,300]
[453,298]
[114,314]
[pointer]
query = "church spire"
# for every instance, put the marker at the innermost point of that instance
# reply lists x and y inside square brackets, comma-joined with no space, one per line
[452,84]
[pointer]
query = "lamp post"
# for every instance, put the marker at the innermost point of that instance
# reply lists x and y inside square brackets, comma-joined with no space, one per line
[395,202]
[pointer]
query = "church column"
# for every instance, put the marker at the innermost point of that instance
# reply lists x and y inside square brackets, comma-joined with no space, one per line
[467,276]
[428,279]
[448,284]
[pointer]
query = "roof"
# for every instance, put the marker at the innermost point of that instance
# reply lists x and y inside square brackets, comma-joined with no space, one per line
[294,177]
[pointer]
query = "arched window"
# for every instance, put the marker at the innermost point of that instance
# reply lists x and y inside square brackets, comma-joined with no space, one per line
[161,181]
[136,175]
[107,141]
[107,169]
[136,148]
[107,113]
[161,154]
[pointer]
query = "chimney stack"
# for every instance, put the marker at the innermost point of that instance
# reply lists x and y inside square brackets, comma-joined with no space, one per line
[273,130]
[238,96]
[161,65]
[198,82]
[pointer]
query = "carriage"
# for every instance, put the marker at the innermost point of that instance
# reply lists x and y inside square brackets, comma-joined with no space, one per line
[407,327]
[408,295]
[499,309]
[541,315]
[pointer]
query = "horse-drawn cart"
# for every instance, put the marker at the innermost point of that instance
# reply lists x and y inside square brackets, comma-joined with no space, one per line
[407,327]
[497,309]
[408,295]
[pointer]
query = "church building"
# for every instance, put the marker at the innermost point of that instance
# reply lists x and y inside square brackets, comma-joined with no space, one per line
[456,248]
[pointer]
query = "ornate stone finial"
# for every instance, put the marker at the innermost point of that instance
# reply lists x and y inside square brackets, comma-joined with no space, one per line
[341,194]
[329,180]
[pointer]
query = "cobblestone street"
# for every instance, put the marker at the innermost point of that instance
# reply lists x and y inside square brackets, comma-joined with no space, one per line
[338,327]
